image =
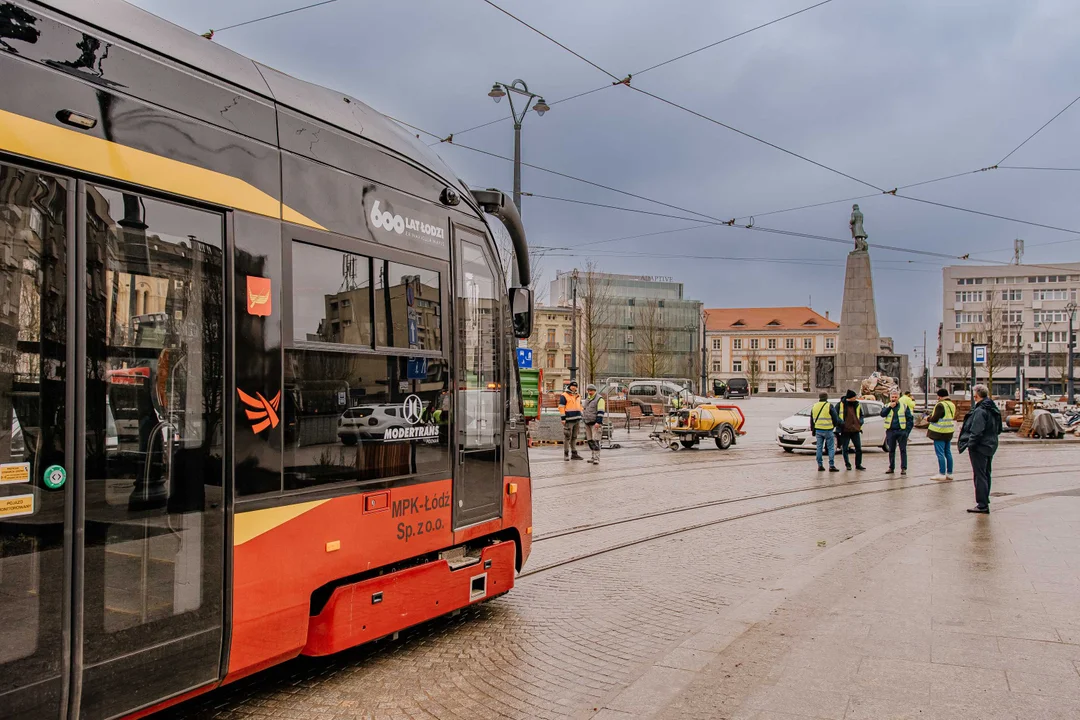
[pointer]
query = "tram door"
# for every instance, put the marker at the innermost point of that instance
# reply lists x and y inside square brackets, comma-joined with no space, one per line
[479,413]
[111,449]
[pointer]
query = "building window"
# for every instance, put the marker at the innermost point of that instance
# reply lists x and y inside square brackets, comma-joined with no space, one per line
[1056,336]
[789,343]
[789,366]
[1051,316]
[771,387]
[772,343]
[755,366]
[808,343]
[718,344]
[551,335]
[772,366]
[754,343]
[969,281]
[736,344]
[551,361]
[968,318]
[736,366]
[566,360]
[1051,294]
[830,343]
[969,296]
[717,367]
[1010,295]
[566,337]
[1012,317]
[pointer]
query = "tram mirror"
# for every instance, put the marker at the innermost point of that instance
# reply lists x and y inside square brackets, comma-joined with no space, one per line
[521,306]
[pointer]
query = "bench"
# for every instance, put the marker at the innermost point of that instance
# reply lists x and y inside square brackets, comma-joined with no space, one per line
[633,414]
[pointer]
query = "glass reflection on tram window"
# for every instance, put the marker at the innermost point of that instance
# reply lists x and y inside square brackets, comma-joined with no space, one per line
[331,296]
[33,327]
[339,408]
[415,317]
[154,415]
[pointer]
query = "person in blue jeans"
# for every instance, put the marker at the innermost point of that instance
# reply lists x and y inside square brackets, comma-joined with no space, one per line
[942,427]
[898,422]
[824,422]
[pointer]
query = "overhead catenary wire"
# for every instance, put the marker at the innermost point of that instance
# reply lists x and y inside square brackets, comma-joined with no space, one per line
[548,37]
[268,17]
[1041,128]
[658,65]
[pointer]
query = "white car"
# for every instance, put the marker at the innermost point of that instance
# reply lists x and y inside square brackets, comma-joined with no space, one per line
[368,421]
[794,433]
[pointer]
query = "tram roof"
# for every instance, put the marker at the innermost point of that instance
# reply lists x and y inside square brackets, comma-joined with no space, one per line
[165,38]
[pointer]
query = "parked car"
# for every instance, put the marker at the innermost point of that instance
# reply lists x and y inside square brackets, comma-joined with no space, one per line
[645,393]
[737,388]
[793,433]
[368,421]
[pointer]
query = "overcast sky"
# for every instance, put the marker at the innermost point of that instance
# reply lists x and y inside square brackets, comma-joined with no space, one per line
[887,91]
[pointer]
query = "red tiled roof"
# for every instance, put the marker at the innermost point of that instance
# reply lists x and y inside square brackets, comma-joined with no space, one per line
[779,318]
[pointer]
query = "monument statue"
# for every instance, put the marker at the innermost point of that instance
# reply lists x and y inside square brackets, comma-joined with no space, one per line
[824,371]
[858,233]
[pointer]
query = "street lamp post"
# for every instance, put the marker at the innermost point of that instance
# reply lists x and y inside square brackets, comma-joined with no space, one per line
[1045,325]
[498,92]
[574,327]
[1071,309]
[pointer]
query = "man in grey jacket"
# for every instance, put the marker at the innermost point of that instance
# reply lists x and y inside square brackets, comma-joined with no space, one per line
[979,437]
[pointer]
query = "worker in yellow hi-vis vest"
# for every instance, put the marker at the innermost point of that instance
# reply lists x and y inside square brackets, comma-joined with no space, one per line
[942,427]
[824,421]
[898,422]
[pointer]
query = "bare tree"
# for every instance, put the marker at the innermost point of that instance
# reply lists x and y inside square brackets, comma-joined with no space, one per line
[595,308]
[794,371]
[650,338]
[994,332]
[753,367]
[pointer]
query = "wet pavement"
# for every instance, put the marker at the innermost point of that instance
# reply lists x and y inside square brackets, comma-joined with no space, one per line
[742,584]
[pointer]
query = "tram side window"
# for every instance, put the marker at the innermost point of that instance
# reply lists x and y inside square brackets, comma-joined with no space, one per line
[33,328]
[408,309]
[362,417]
[331,296]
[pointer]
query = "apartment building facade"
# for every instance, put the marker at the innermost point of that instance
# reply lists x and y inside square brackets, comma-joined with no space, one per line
[551,344]
[1022,313]
[772,348]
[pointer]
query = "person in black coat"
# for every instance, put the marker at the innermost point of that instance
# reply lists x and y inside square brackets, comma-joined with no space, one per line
[979,437]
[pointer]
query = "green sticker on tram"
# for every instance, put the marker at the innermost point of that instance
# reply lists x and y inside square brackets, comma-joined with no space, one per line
[55,477]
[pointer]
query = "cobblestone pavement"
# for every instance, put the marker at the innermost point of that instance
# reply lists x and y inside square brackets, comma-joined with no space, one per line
[739,583]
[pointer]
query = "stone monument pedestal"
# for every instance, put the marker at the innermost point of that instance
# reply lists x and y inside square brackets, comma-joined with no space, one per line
[859,343]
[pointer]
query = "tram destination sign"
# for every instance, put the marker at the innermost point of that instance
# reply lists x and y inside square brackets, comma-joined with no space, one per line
[407,226]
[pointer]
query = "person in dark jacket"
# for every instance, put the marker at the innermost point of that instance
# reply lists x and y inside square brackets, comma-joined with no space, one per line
[898,422]
[850,411]
[979,437]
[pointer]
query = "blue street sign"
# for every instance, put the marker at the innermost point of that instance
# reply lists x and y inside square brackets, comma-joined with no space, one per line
[524,357]
[417,368]
[414,330]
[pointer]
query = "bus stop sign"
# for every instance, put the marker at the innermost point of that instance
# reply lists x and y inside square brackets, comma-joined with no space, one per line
[525,357]
[979,354]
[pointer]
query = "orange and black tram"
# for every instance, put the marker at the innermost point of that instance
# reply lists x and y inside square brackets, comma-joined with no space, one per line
[258,396]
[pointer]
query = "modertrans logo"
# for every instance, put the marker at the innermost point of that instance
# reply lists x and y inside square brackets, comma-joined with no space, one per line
[412,411]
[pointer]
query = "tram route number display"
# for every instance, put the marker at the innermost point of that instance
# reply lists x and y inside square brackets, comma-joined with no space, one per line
[421,514]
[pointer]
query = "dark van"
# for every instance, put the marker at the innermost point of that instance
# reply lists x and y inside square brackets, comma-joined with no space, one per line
[737,388]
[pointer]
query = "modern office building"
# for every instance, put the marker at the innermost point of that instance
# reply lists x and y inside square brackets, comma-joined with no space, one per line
[1021,312]
[644,323]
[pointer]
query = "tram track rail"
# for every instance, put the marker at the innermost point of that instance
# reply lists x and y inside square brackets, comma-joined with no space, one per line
[740,516]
